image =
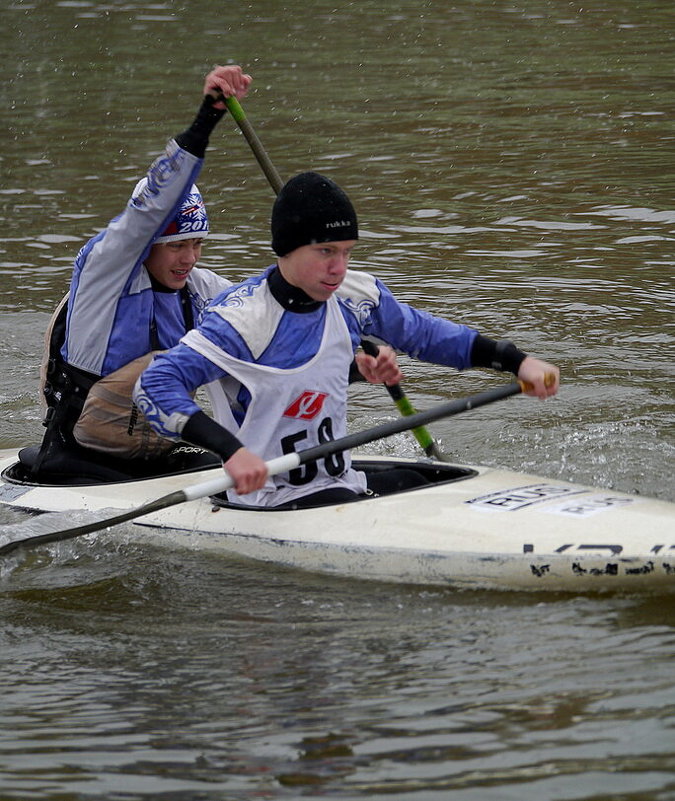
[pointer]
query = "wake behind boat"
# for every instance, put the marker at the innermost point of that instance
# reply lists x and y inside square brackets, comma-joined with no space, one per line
[472,527]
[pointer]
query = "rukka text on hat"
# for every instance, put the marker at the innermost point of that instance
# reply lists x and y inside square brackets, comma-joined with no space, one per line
[309,209]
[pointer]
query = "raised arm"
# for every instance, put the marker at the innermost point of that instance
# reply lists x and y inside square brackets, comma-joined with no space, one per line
[109,266]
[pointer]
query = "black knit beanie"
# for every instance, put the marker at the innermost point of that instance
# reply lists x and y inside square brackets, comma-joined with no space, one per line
[309,209]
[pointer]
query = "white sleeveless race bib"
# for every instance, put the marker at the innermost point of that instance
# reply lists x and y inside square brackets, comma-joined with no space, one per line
[291,410]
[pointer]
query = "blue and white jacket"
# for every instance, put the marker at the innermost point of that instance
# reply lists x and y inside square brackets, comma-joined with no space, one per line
[112,304]
[247,323]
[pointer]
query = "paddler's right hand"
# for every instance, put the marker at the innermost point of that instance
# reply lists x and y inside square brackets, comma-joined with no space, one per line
[541,379]
[247,470]
[231,80]
[380,369]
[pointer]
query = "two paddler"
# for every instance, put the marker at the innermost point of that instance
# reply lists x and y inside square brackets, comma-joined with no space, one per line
[136,290]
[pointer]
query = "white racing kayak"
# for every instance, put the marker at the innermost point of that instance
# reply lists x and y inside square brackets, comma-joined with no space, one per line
[473,527]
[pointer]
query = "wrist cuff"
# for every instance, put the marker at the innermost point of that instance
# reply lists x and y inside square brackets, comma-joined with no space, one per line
[203,431]
[502,355]
[195,139]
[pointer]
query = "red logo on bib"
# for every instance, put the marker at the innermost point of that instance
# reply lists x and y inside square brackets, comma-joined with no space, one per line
[307,406]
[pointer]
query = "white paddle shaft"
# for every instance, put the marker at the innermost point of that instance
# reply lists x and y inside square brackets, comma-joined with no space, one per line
[282,464]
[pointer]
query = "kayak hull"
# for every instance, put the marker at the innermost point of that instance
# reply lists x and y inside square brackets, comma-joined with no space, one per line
[480,528]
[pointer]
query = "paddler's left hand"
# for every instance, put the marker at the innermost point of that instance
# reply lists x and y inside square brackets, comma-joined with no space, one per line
[231,80]
[380,369]
[541,378]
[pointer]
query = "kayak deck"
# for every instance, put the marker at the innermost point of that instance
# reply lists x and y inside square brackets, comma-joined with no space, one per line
[473,527]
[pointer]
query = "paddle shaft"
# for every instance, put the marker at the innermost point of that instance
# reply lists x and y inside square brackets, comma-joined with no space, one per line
[405,407]
[423,437]
[292,460]
[237,112]
[282,464]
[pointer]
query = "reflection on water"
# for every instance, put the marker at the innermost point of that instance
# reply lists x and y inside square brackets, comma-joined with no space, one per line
[509,163]
[214,676]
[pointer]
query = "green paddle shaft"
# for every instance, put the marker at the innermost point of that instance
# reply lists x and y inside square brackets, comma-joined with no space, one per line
[423,437]
[237,112]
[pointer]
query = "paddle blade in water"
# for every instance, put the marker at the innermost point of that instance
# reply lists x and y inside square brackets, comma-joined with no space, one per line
[49,526]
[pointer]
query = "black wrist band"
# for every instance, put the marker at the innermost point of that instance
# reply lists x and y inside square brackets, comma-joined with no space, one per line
[502,355]
[195,139]
[203,431]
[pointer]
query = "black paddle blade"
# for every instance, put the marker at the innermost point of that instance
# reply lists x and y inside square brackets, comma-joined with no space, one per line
[49,527]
